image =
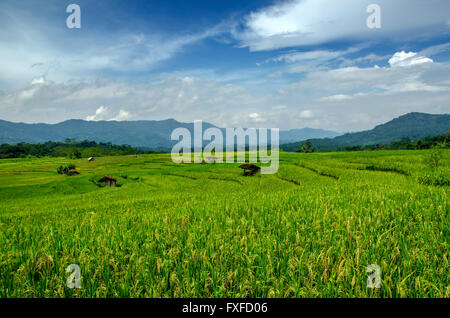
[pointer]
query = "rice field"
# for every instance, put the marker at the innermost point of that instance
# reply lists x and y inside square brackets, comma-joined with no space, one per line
[201,230]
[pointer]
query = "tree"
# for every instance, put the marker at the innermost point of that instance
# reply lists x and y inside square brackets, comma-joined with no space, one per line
[306,147]
[76,154]
[433,158]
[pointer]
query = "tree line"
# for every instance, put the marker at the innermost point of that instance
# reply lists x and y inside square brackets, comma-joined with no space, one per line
[439,141]
[69,148]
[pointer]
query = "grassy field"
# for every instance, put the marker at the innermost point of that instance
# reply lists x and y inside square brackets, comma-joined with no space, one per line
[207,231]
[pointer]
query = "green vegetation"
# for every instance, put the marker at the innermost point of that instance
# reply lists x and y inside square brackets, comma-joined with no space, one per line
[155,135]
[65,169]
[204,230]
[439,141]
[436,142]
[70,148]
[306,147]
[395,134]
[144,133]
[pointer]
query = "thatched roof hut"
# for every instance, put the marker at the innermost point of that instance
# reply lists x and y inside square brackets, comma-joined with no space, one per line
[109,181]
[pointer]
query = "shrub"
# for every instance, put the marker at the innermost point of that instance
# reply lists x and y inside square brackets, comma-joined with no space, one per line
[76,154]
[434,179]
[433,158]
[65,169]
[60,169]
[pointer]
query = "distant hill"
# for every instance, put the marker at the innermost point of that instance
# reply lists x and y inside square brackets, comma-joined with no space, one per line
[413,126]
[145,134]
[154,134]
[294,135]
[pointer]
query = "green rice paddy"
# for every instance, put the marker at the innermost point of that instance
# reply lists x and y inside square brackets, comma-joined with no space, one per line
[205,230]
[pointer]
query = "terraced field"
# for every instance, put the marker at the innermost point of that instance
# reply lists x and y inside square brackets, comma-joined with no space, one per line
[205,230]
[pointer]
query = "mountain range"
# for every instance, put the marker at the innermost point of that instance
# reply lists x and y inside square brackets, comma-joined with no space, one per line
[155,135]
[413,126]
[144,134]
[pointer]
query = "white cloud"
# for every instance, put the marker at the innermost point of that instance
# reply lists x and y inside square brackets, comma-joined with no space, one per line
[403,59]
[306,114]
[306,61]
[335,98]
[104,113]
[256,118]
[318,55]
[305,22]
[26,94]
[435,49]
[37,47]
[38,81]
[100,114]
[180,98]
[322,98]
[405,74]
[123,115]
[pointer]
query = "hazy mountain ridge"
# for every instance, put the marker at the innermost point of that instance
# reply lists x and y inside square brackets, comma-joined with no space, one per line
[149,134]
[152,134]
[293,135]
[413,126]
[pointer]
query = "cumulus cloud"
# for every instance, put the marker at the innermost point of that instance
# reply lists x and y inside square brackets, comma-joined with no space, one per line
[342,99]
[100,114]
[49,77]
[123,115]
[103,113]
[407,72]
[184,98]
[403,59]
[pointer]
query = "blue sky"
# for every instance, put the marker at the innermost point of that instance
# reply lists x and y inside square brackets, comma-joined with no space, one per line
[261,63]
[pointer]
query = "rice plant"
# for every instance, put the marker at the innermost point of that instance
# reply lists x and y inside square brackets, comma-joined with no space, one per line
[201,230]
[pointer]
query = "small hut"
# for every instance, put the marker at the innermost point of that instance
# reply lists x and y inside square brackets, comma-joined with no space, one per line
[249,169]
[109,181]
[90,159]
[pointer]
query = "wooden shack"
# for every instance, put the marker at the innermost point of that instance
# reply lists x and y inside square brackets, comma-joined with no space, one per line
[109,181]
